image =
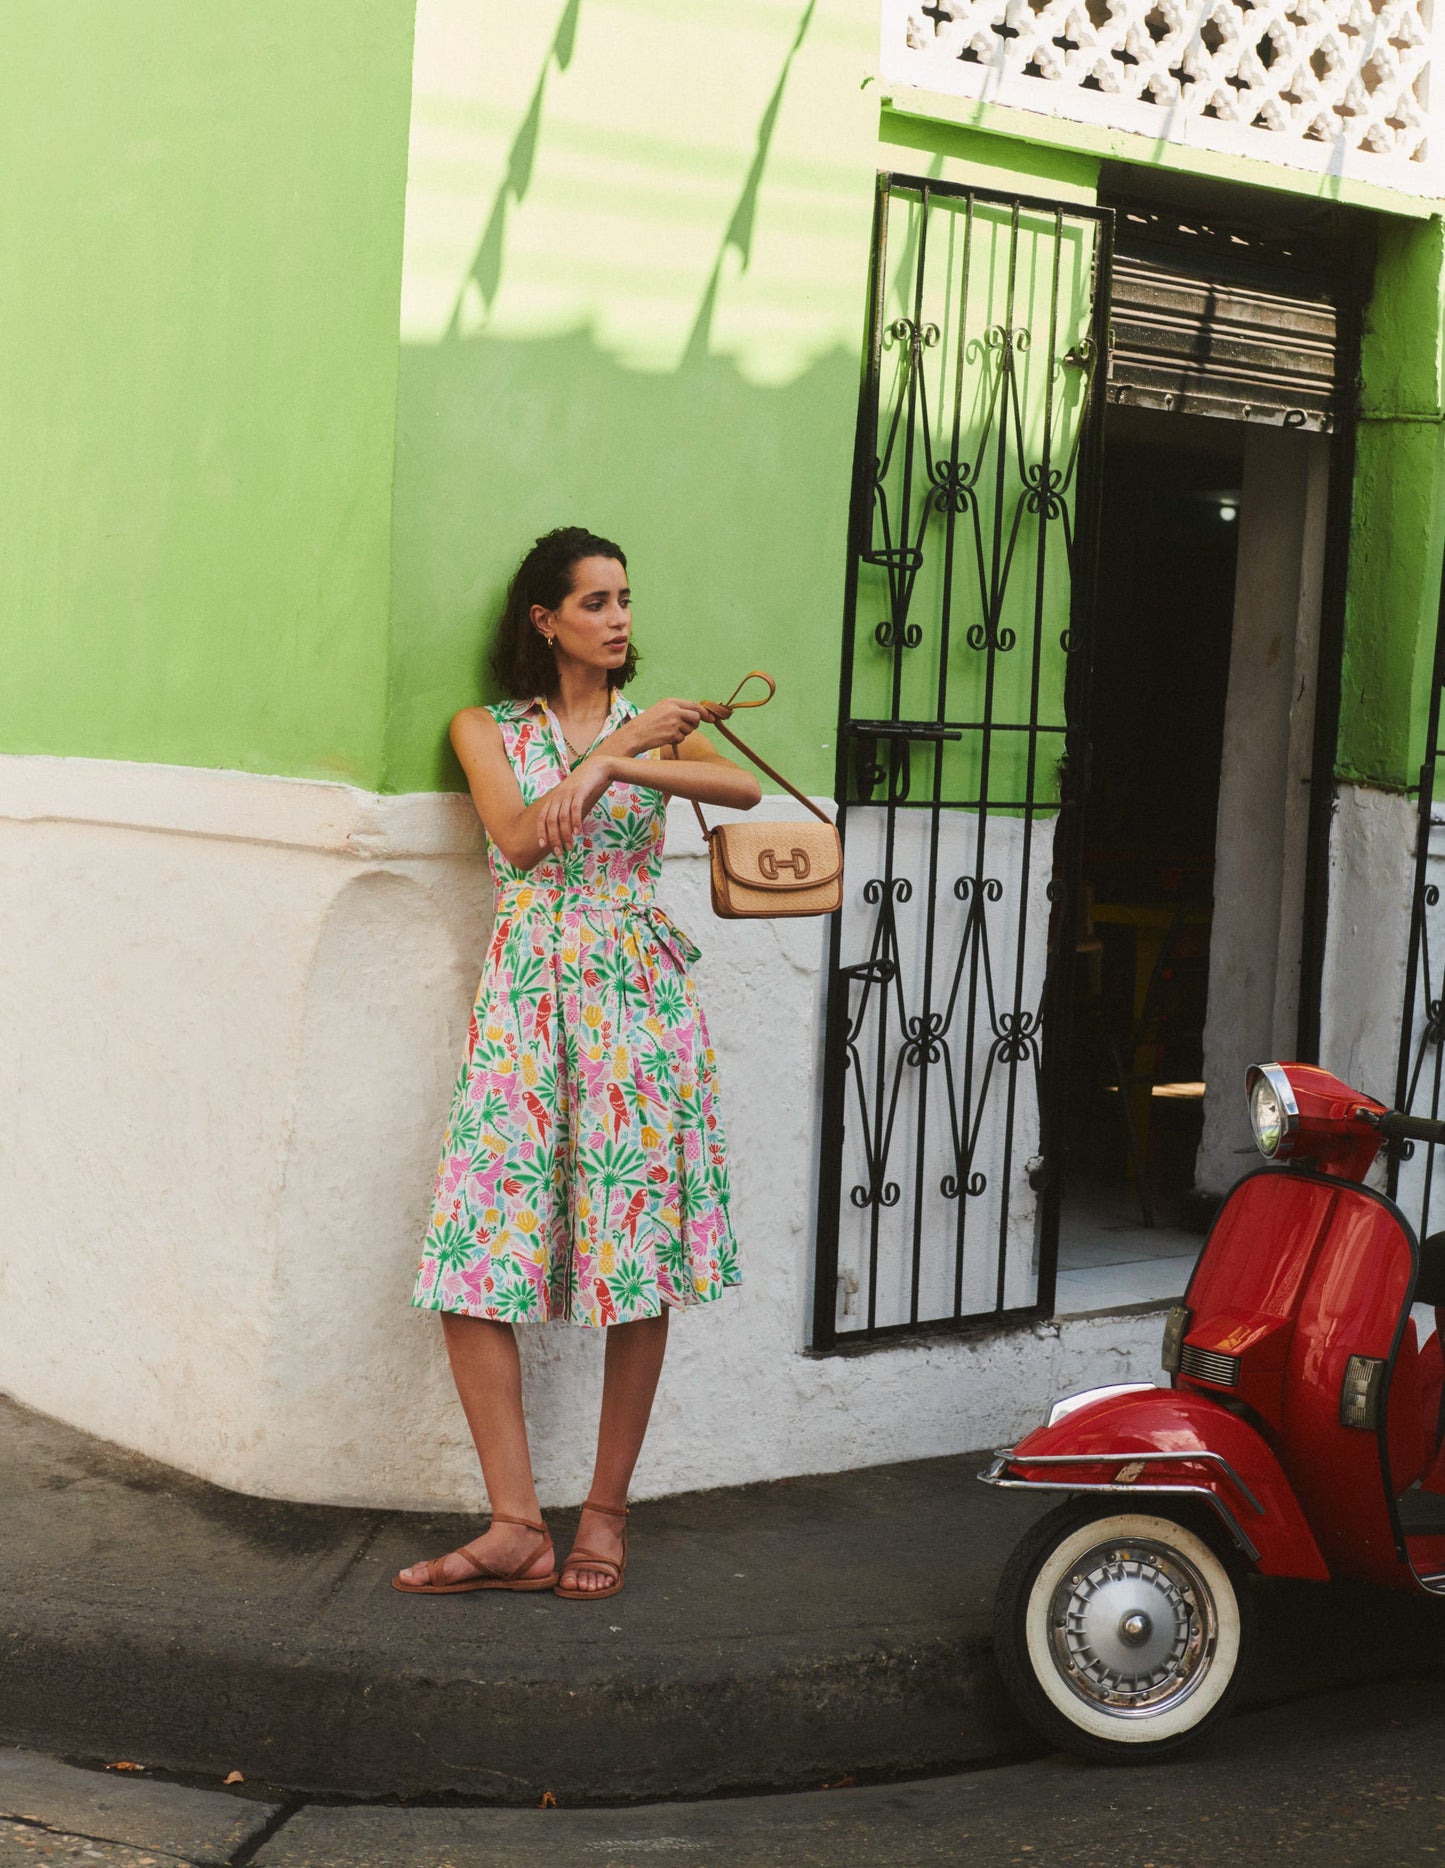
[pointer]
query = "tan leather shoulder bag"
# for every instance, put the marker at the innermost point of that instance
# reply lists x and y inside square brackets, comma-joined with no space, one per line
[770,869]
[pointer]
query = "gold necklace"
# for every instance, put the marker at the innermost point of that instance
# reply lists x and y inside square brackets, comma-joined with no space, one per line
[572,752]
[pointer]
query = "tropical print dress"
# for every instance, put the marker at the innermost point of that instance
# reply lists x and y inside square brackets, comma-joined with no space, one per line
[583,1172]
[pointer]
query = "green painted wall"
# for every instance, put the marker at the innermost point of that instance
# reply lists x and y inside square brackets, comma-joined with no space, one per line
[1398,524]
[199,278]
[648,319]
[625,254]
[646,316]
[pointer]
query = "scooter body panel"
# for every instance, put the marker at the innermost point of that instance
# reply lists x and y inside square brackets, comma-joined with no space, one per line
[1166,1441]
[1301,1272]
[1245,1293]
[1353,1304]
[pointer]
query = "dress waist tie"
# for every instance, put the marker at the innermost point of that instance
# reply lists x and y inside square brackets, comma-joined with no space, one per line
[680,947]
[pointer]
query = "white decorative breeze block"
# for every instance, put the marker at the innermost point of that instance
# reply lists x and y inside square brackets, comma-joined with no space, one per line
[1339,86]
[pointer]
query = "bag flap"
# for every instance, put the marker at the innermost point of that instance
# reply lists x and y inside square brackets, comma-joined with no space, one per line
[780,855]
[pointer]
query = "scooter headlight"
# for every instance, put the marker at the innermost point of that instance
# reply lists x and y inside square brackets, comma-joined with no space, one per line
[1273,1111]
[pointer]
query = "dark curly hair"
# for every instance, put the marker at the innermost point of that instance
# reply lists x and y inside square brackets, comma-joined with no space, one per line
[522,665]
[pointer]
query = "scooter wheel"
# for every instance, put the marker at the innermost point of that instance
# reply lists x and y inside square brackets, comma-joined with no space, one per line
[1121,1635]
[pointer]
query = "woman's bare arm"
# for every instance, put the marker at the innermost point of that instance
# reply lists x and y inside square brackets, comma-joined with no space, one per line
[690,768]
[695,771]
[517,829]
[525,833]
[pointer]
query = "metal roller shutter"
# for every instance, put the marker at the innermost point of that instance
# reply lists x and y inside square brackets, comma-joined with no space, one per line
[1203,334]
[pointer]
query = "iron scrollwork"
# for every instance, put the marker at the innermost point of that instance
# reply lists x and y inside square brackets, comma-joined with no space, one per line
[1420,1077]
[972,456]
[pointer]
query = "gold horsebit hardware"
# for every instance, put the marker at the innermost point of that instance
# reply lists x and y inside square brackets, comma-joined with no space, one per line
[769,862]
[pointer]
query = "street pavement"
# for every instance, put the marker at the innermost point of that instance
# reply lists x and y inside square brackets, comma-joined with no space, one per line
[1340,1780]
[770,1637]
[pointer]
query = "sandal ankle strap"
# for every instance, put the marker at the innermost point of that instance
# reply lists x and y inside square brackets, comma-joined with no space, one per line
[503,1517]
[612,1511]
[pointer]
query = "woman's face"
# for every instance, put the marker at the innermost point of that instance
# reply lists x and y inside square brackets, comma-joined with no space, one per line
[593,622]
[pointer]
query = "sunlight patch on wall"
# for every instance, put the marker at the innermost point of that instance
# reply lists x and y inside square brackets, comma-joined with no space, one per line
[591,165]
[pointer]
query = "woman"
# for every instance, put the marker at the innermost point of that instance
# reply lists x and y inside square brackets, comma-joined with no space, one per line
[583,1173]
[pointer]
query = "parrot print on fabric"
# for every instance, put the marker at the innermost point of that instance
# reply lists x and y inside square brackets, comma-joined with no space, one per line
[583,1172]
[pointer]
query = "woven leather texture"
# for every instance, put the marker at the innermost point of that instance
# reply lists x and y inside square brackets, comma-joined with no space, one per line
[780,856]
[775,869]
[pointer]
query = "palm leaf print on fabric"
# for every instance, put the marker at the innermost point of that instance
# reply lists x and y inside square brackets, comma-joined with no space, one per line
[583,1171]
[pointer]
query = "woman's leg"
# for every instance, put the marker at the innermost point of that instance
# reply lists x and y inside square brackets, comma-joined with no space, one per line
[488,1373]
[632,1366]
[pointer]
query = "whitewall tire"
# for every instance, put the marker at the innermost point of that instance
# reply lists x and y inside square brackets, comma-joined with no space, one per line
[1121,1635]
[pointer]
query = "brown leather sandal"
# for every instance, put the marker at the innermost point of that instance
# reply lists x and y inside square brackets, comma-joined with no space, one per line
[482,1577]
[582,1559]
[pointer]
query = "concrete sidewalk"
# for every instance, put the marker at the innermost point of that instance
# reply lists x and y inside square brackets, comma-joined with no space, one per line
[771,1636]
[1343,1779]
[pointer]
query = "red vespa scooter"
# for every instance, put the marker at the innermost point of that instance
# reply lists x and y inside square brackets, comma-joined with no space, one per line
[1300,1413]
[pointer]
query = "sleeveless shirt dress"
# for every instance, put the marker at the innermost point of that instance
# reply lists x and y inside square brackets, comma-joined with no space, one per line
[583,1171]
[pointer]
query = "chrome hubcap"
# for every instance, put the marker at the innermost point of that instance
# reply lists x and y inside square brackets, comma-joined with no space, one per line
[1135,1629]
[1132,1628]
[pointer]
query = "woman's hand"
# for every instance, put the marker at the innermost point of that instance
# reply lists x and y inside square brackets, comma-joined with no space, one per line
[566,806]
[665,723]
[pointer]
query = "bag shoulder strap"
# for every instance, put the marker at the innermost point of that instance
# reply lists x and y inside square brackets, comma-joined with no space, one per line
[724,710]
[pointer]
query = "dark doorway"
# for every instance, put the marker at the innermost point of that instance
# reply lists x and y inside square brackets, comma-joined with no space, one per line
[1172,492]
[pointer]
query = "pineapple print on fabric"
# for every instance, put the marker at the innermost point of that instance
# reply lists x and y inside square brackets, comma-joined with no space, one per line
[583,1171]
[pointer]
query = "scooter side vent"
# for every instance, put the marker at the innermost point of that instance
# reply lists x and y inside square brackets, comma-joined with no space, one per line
[1207,1365]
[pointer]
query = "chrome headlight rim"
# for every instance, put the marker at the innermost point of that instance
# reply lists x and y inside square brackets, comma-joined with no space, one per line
[1284,1096]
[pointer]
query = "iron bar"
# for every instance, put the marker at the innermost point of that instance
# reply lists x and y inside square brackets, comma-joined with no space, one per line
[1420,977]
[982,333]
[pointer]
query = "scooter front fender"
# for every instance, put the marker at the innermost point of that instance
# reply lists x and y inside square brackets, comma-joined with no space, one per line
[1168,1443]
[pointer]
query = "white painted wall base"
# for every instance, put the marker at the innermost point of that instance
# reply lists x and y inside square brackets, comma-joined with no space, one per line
[1372,854]
[233,1008]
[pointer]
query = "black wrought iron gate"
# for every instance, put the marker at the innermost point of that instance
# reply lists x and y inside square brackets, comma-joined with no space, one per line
[960,751]
[1415,1177]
